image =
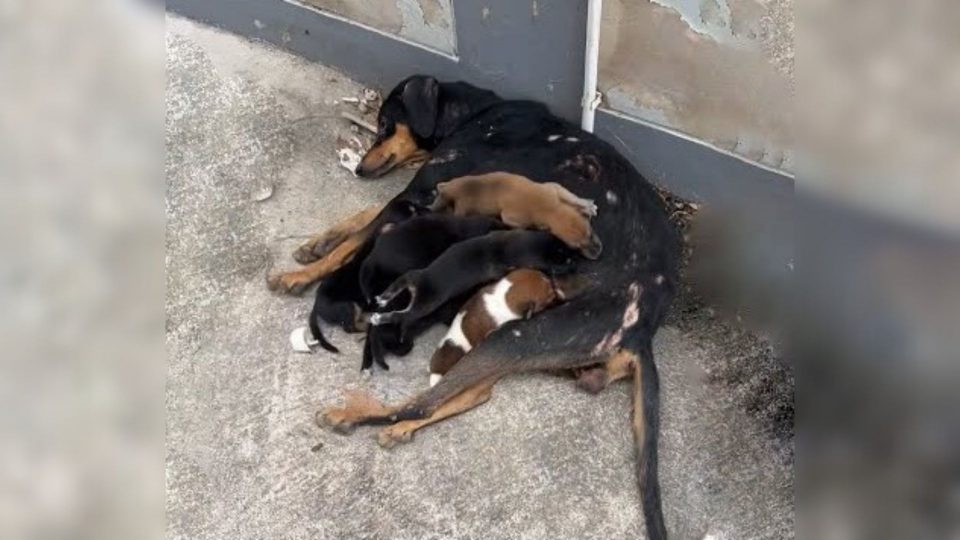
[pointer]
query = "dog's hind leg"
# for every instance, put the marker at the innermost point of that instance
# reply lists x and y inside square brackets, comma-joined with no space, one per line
[464,401]
[584,206]
[321,245]
[571,335]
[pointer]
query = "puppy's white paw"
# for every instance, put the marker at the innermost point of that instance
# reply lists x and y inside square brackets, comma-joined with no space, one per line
[375,319]
[590,208]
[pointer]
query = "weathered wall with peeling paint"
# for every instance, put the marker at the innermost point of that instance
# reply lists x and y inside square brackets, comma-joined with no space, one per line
[719,70]
[427,22]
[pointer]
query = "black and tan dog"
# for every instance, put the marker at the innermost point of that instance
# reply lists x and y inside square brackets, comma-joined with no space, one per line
[470,131]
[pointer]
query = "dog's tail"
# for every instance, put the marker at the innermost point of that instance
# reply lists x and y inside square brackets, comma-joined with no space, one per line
[646,426]
[318,335]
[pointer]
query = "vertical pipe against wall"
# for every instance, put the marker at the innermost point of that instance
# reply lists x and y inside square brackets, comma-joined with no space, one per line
[591,99]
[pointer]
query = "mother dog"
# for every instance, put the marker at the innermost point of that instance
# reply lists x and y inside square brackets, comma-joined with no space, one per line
[470,131]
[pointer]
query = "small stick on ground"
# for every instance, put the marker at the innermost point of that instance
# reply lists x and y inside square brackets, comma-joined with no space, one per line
[359,121]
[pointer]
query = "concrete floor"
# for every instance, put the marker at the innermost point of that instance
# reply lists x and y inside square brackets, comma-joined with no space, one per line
[539,461]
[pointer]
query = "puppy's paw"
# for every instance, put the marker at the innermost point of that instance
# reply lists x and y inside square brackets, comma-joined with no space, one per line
[394,435]
[589,208]
[593,248]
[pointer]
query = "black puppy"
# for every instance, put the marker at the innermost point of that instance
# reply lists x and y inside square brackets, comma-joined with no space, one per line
[411,245]
[414,244]
[389,338]
[339,299]
[469,264]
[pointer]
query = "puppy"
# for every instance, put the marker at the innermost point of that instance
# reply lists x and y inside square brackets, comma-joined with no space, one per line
[387,338]
[469,264]
[406,246]
[521,202]
[336,303]
[339,299]
[517,296]
[415,244]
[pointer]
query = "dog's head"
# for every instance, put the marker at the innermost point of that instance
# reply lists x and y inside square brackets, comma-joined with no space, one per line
[407,120]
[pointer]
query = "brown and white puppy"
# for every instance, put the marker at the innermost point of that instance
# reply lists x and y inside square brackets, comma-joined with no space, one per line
[520,202]
[518,295]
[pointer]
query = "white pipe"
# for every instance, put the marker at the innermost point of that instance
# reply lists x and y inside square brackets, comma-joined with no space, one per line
[591,98]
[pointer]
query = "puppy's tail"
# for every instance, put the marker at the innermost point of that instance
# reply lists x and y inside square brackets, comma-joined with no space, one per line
[401,284]
[318,335]
[646,425]
[366,277]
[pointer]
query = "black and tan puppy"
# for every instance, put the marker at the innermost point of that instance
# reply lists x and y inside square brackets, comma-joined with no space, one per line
[339,299]
[411,245]
[469,264]
[520,202]
[414,244]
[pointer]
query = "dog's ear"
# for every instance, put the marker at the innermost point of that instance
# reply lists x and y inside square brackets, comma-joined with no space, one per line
[421,97]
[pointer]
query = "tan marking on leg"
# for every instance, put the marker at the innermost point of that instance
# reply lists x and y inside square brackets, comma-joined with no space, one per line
[295,282]
[618,366]
[462,402]
[322,244]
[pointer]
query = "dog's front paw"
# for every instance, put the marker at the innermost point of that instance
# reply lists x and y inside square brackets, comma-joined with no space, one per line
[318,247]
[289,283]
[394,435]
[337,419]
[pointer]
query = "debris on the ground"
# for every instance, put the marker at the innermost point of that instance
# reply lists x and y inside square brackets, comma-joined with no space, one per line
[350,152]
[262,194]
[679,210]
[358,121]
[301,340]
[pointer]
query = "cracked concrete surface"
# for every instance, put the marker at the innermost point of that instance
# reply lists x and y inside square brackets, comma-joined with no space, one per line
[539,461]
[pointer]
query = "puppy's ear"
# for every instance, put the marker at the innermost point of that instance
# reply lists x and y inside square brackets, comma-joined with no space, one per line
[421,100]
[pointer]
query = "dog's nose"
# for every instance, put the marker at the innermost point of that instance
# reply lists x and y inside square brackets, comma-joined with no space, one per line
[359,170]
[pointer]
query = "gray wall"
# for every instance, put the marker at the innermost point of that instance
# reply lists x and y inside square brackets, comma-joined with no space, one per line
[717,71]
[427,22]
